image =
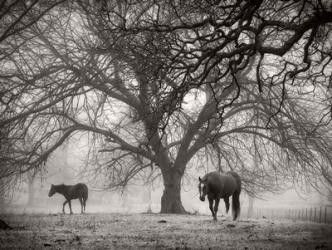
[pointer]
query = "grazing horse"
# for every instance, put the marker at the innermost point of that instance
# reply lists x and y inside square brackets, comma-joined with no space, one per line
[78,191]
[221,186]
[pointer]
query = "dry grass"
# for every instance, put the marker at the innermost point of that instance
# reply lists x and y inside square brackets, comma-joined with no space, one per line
[159,231]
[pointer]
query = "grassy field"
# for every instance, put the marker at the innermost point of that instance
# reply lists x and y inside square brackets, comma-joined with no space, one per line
[158,231]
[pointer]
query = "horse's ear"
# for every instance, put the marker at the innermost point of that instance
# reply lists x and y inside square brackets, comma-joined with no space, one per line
[199,178]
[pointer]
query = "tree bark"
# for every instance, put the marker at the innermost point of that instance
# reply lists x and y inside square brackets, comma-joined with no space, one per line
[171,198]
[150,198]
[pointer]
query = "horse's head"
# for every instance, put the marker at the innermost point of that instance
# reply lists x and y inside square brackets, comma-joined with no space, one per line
[202,187]
[52,191]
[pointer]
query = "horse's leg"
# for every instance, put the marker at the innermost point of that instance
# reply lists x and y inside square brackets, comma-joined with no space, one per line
[81,201]
[216,205]
[211,208]
[63,207]
[227,203]
[85,198]
[69,202]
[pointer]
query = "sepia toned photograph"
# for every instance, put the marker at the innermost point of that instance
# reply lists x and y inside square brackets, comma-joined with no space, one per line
[166,124]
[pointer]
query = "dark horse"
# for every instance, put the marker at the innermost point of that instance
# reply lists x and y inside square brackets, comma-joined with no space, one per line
[78,191]
[221,186]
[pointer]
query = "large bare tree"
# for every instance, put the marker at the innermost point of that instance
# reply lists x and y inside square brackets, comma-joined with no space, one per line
[124,72]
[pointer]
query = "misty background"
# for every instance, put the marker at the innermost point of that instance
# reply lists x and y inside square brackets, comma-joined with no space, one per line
[68,163]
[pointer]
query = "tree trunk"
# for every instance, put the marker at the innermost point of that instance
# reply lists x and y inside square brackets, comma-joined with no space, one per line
[150,198]
[171,198]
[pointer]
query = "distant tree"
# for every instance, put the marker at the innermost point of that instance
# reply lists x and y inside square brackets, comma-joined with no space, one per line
[126,74]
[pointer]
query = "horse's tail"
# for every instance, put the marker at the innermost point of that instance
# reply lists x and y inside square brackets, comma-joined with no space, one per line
[236,204]
[236,196]
[85,193]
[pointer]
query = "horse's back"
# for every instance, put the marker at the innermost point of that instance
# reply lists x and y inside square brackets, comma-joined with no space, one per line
[82,186]
[230,183]
[80,190]
[225,183]
[236,177]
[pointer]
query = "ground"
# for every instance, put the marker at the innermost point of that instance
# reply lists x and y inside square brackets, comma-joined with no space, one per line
[158,231]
